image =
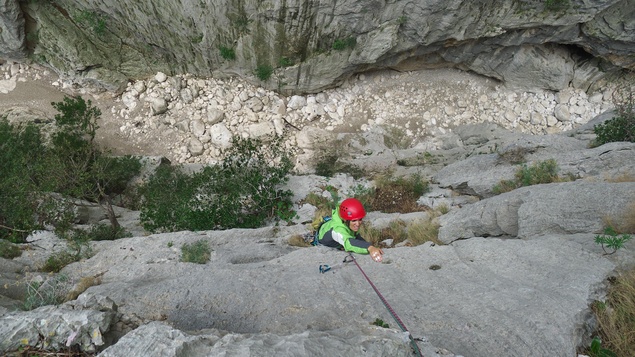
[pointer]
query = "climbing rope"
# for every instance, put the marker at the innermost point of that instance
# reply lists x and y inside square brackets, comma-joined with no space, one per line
[350,258]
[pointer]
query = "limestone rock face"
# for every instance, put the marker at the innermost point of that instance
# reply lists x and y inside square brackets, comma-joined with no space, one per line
[159,339]
[311,46]
[12,38]
[535,211]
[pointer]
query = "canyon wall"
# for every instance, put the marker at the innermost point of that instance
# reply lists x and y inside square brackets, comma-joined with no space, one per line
[304,46]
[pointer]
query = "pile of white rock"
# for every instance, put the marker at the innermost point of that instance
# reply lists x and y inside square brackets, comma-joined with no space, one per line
[201,115]
[206,113]
[9,78]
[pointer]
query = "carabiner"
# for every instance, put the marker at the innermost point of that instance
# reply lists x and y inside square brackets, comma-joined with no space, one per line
[324,268]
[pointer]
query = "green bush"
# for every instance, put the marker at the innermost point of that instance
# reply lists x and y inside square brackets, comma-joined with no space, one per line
[198,252]
[78,249]
[285,62]
[399,194]
[57,261]
[556,5]
[240,192]
[227,53]
[93,20]
[325,166]
[597,350]
[396,138]
[329,163]
[264,72]
[538,173]
[76,167]
[22,157]
[342,44]
[379,322]
[622,126]
[101,232]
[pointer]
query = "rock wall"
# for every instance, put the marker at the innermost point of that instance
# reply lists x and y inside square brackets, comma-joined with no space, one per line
[12,40]
[311,45]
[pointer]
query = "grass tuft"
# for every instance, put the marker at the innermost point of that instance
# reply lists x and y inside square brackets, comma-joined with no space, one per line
[623,223]
[297,240]
[627,223]
[413,233]
[51,291]
[514,155]
[626,177]
[198,252]
[424,230]
[616,316]
[9,250]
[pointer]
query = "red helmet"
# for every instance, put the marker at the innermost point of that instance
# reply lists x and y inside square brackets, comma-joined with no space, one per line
[351,209]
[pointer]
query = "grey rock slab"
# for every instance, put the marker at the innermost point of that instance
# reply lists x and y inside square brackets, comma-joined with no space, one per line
[160,339]
[606,162]
[489,297]
[557,208]
[477,175]
[495,297]
[82,322]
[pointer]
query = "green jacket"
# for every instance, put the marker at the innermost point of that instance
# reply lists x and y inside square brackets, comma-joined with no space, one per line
[335,233]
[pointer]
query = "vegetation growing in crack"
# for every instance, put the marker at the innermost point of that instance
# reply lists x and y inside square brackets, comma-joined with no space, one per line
[622,126]
[92,20]
[198,252]
[537,173]
[227,53]
[611,240]
[264,72]
[342,44]
[616,318]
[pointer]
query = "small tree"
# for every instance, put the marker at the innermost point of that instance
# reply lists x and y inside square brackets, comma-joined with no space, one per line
[21,175]
[33,174]
[81,169]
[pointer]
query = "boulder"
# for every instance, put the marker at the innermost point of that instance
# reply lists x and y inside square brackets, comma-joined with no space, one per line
[477,175]
[81,323]
[535,211]
[157,338]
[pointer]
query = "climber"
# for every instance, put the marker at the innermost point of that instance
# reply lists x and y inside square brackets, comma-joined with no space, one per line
[342,230]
